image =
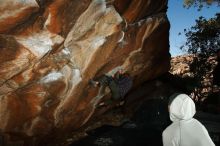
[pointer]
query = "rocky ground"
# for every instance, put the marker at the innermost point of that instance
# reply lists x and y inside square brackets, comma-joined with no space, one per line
[145,128]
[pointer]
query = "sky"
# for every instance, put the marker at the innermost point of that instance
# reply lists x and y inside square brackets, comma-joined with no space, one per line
[181,18]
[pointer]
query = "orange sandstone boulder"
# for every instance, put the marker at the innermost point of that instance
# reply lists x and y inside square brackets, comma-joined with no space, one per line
[49,50]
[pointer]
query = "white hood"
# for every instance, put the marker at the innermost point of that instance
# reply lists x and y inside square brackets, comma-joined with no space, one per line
[185,130]
[182,108]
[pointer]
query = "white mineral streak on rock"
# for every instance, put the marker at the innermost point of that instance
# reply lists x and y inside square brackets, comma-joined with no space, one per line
[66,51]
[40,43]
[122,37]
[47,21]
[76,77]
[97,42]
[72,78]
[53,76]
[149,19]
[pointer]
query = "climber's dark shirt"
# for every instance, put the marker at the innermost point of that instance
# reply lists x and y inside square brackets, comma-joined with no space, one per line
[119,85]
[124,83]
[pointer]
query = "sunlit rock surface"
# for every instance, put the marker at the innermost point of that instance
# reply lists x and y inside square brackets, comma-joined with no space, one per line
[49,50]
[182,68]
[180,65]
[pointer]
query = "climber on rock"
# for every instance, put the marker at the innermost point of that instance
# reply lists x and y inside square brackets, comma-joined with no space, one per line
[119,84]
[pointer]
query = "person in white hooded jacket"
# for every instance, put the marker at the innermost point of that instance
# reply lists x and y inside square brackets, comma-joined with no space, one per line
[185,130]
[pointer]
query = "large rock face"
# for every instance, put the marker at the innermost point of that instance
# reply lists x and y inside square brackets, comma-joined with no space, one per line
[49,50]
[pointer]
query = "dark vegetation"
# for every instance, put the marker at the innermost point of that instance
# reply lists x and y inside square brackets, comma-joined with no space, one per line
[200,3]
[203,41]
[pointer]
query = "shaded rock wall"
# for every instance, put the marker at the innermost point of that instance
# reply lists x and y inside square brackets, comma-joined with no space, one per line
[49,50]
